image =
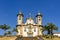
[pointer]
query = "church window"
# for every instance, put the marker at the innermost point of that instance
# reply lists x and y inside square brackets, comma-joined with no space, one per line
[39,18]
[34,30]
[30,27]
[25,29]
[30,35]
[19,17]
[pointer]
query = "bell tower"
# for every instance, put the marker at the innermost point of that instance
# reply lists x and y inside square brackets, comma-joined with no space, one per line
[39,23]
[19,22]
[39,18]
[19,18]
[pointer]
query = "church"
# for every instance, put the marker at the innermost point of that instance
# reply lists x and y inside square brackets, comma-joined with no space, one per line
[29,28]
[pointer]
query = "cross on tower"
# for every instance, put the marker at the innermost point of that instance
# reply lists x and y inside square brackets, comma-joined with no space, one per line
[30,15]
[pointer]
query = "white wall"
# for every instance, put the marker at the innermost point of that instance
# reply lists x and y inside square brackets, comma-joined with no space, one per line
[18,32]
[24,33]
[35,33]
[28,21]
[57,35]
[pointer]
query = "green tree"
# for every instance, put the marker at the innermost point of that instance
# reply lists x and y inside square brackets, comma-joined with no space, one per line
[49,28]
[15,30]
[9,33]
[4,27]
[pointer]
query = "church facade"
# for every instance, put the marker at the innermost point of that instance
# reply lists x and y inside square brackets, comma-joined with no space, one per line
[29,28]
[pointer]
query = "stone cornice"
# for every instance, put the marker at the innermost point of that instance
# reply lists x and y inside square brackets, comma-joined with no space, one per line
[29,24]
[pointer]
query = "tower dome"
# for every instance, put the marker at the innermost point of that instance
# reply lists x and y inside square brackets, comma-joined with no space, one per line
[39,14]
[20,13]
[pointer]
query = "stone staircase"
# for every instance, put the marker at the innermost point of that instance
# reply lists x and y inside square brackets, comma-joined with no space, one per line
[29,38]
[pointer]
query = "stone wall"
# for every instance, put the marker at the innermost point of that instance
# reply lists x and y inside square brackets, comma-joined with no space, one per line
[8,37]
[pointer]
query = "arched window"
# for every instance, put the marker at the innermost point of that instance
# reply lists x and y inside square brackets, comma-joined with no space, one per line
[34,29]
[25,29]
[19,17]
[39,19]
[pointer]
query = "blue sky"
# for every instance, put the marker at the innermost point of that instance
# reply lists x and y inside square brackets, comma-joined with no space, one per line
[50,9]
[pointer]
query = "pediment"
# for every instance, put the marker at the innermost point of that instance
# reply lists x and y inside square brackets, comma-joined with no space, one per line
[30,21]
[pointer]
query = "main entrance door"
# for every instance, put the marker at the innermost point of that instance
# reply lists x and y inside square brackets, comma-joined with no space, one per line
[30,35]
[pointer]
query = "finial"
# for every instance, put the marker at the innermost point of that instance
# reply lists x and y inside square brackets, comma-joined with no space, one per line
[30,14]
[20,12]
[39,13]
